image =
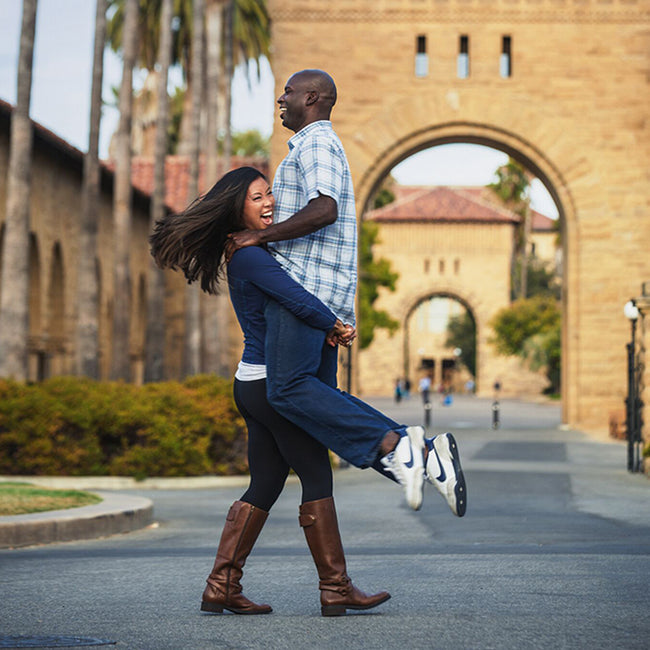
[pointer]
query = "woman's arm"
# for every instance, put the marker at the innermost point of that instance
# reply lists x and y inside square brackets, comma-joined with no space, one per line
[260,268]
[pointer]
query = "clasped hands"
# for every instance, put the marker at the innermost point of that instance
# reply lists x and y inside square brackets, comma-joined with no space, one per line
[341,334]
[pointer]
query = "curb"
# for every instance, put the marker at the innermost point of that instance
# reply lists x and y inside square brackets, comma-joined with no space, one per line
[115,514]
[129,483]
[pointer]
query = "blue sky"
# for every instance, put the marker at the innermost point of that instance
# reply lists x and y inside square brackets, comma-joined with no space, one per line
[61,97]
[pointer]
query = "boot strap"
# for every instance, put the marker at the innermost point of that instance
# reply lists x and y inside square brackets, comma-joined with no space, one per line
[344,586]
[306,520]
[233,588]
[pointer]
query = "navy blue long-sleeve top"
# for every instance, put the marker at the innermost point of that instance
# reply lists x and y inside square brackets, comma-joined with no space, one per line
[254,277]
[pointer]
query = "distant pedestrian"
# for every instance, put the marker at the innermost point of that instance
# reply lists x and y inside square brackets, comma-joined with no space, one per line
[425,389]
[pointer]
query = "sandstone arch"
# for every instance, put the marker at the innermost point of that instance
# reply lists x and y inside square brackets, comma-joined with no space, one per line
[574,110]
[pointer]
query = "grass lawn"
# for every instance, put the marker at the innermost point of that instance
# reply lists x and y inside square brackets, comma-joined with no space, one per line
[22,498]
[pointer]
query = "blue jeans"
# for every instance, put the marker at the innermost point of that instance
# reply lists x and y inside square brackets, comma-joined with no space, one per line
[301,386]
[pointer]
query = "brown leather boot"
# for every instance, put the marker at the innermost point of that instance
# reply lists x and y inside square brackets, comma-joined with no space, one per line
[243,526]
[337,593]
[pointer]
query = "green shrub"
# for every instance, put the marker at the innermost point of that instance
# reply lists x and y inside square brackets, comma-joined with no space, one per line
[75,426]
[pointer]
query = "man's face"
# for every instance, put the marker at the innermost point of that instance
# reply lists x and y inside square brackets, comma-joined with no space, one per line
[292,103]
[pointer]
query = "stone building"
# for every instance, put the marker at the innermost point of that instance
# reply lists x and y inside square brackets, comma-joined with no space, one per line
[54,252]
[559,85]
[452,249]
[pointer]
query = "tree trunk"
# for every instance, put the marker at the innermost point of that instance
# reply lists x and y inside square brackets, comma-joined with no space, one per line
[87,344]
[155,339]
[215,309]
[14,287]
[229,69]
[192,356]
[120,354]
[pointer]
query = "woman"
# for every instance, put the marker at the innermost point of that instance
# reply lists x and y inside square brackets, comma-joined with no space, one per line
[193,242]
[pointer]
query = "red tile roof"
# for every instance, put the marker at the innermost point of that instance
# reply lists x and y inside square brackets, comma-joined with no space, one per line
[450,204]
[442,204]
[540,222]
[177,176]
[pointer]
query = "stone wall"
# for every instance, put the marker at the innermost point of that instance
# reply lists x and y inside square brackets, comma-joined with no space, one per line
[574,112]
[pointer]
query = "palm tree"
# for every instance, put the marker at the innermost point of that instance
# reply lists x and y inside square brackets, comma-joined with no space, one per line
[149,35]
[250,40]
[120,362]
[246,37]
[214,317]
[511,187]
[87,294]
[155,339]
[14,287]
[192,356]
[226,77]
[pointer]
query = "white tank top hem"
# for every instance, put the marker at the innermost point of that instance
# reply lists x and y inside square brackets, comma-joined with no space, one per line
[250,371]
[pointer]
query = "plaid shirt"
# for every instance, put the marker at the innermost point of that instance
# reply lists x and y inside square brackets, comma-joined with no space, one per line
[324,262]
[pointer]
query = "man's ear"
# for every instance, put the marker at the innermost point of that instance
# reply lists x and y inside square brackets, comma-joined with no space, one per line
[312,97]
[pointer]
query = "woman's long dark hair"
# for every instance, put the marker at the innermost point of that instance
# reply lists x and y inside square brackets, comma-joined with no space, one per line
[194,240]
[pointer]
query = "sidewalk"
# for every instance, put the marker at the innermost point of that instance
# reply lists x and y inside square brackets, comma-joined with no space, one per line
[117,513]
[121,513]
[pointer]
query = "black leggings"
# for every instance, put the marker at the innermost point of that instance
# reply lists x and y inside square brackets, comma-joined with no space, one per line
[275,445]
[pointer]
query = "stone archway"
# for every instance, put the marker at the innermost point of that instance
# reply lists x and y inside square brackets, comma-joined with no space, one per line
[417,347]
[573,110]
[534,160]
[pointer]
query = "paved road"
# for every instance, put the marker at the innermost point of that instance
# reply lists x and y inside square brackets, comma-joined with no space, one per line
[554,552]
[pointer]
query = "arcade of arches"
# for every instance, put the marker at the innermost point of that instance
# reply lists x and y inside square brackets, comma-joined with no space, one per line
[559,85]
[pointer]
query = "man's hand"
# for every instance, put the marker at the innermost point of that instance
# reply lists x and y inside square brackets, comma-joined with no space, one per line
[241,239]
[341,334]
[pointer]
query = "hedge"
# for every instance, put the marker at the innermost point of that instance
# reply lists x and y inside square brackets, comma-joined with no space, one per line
[68,426]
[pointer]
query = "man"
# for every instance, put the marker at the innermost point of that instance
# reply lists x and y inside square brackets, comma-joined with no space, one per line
[314,237]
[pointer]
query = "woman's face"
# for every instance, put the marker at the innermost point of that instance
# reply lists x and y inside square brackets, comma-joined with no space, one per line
[258,207]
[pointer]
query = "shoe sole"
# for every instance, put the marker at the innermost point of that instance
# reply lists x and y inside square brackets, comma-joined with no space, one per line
[414,494]
[448,448]
[214,608]
[339,610]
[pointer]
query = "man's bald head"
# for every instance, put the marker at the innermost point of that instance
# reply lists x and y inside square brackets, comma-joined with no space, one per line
[319,81]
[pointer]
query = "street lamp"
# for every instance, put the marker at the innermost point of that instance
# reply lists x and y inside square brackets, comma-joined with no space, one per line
[632,402]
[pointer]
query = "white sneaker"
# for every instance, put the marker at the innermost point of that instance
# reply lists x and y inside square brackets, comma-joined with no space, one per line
[406,463]
[444,471]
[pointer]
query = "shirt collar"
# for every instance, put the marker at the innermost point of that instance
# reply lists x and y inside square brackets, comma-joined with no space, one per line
[306,130]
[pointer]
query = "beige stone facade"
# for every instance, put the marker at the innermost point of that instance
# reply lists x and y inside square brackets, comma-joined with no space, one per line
[452,250]
[54,253]
[574,111]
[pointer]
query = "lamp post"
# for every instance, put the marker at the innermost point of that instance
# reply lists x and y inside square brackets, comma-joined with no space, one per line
[632,414]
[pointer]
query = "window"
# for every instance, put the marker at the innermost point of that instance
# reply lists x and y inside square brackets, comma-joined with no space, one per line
[463,57]
[505,62]
[421,57]
[441,267]
[456,266]
[426,265]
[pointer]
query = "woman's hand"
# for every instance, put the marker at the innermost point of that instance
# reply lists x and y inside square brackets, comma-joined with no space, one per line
[341,334]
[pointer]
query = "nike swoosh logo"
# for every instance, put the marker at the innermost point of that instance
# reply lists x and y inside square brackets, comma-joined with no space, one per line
[410,463]
[442,476]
